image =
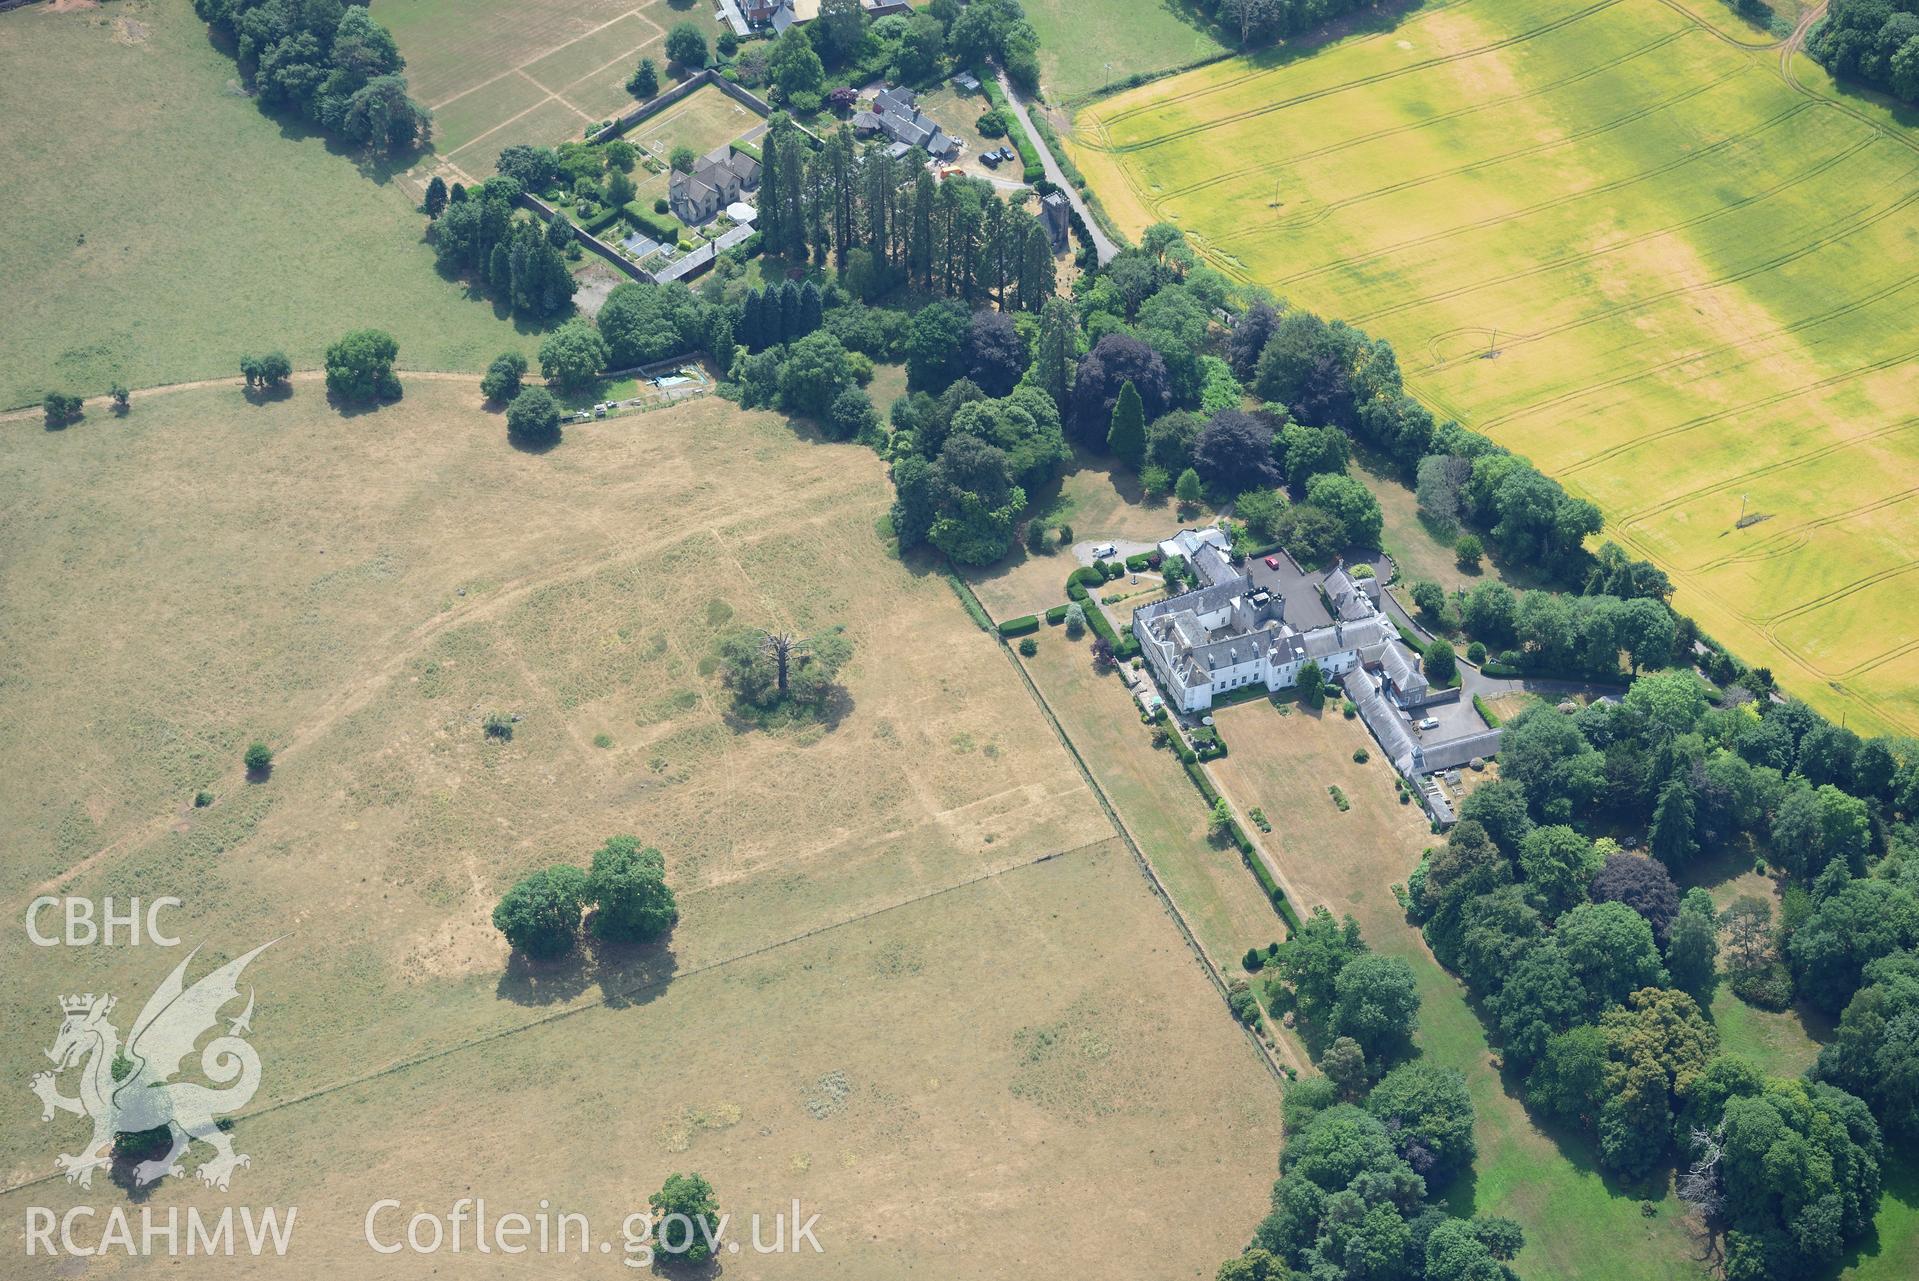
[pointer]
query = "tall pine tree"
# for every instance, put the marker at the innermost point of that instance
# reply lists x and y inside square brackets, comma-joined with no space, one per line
[919,240]
[1037,277]
[1127,435]
[1058,354]
[1671,838]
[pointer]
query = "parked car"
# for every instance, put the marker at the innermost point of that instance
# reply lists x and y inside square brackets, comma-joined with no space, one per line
[1272,562]
[1431,722]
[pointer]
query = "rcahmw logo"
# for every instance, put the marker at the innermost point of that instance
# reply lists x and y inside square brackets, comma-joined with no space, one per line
[131,1090]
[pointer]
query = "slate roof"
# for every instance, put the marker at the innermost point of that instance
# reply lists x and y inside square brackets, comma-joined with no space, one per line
[1213,566]
[1386,723]
[1349,602]
[1459,751]
[1400,671]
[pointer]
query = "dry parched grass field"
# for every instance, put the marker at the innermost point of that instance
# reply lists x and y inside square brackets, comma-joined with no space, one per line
[1627,238]
[917,983]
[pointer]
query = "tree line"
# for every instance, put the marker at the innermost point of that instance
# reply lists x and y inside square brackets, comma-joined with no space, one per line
[1874,41]
[1594,971]
[886,223]
[326,61]
[1257,22]
[1375,1142]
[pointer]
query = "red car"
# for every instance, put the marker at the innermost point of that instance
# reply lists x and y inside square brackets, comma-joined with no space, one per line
[1272,562]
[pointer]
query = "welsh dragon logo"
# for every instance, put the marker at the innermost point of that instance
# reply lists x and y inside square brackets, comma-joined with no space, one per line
[133,1091]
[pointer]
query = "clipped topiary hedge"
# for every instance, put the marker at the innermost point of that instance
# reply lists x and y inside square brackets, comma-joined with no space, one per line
[661,227]
[1056,615]
[1020,626]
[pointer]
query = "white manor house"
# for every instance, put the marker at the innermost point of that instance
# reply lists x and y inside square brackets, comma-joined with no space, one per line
[1232,632]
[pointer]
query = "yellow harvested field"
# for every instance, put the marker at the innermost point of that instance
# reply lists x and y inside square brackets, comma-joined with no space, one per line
[1634,240]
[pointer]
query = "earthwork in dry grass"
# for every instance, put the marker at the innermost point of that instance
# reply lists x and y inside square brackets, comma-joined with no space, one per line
[916,983]
[1625,239]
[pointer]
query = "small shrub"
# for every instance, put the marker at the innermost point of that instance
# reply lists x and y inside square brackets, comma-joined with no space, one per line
[1339,798]
[602,741]
[1240,999]
[1476,653]
[1259,818]
[1065,535]
[1348,708]
[258,758]
[498,725]
[202,799]
[1768,986]
[1360,756]
[1028,647]
[991,124]
[1075,621]
[1253,961]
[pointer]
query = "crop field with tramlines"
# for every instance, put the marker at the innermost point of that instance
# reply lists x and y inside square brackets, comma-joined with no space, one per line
[1640,241]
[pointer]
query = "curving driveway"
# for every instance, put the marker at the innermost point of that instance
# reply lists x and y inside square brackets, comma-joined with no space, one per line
[1103,247]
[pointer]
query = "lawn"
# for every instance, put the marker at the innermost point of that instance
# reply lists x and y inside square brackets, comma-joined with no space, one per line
[1085,47]
[1617,240]
[196,228]
[1576,1224]
[1101,502]
[497,73]
[705,119]
[895,990]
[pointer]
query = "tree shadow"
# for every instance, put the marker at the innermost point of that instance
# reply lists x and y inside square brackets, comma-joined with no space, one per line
[674,1266]
[358,408]
[1900,1182]
[1461,1196]
[527,981]
[129,1150]
[631,974]
[627,974]
[268,395]
[536,447]
[828,715]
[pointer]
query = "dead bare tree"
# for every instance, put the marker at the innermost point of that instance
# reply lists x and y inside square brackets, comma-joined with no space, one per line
[1701,1186]
[784,646]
